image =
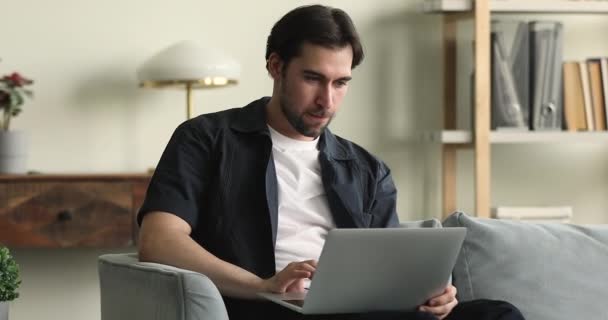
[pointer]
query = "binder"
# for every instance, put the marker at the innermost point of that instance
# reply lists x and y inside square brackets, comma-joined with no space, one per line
[510,75]
[546,77]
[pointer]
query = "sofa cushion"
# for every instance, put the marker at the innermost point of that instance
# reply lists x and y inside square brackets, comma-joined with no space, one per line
[549,271]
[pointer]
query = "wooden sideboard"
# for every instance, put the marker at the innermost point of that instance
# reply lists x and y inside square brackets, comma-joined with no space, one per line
[59,211]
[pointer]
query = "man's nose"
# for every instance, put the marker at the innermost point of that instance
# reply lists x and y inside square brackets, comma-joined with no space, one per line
[325,97]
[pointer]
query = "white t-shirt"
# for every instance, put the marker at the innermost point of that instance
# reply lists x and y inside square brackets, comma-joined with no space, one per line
[304,215]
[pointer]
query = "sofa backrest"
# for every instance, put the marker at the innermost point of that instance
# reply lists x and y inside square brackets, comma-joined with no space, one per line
[431,223]
[550,271]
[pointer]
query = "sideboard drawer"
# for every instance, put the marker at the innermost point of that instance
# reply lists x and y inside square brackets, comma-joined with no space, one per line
[66,214]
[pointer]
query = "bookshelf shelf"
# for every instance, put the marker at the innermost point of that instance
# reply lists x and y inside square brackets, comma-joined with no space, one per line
[519,6]
[518,137]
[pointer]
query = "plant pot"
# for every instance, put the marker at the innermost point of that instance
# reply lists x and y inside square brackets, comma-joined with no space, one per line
[13,152]
[3,310]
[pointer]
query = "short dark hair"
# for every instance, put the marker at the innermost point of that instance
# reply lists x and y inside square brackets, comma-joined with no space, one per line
[321,25]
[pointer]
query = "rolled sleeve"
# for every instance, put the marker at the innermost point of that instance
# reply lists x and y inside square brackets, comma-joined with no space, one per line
[384,209]
[181,176]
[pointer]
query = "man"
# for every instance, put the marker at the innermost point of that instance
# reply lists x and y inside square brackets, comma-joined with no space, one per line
[246,196]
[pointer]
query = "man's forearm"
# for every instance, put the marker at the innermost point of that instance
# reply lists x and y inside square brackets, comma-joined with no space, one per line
[179,250]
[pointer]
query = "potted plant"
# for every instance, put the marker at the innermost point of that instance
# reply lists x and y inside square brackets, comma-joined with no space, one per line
[9,281]
[13,144]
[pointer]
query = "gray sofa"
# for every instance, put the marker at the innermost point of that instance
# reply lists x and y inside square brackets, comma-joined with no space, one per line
[549,271]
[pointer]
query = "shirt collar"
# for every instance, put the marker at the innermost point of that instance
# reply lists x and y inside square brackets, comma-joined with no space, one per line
[252,119]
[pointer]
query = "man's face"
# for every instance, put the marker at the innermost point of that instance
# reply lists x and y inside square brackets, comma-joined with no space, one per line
[312,87]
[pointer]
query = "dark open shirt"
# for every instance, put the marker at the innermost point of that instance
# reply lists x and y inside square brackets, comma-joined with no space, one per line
[217,173]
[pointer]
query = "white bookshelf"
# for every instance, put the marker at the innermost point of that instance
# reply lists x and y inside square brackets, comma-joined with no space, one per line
[520,6]
[514,137]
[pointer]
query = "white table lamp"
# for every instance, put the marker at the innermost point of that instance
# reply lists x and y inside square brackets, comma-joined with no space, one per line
[186,65]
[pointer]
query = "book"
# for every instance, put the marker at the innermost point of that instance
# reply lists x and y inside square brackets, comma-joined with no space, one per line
[574,102]
[586,95]
[597,94]
[537,213]
[604,72]
[446,5]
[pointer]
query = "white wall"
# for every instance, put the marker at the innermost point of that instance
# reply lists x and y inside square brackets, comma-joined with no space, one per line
[89,115]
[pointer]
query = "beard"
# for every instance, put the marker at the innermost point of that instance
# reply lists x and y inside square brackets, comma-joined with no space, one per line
[297,121]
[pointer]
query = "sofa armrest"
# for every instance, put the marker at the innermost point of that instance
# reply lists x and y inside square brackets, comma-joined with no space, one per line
[136,290]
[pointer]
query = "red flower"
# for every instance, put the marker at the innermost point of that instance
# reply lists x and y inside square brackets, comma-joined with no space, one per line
[16,80]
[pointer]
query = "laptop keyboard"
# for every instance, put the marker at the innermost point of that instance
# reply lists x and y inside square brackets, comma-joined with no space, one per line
[299,303]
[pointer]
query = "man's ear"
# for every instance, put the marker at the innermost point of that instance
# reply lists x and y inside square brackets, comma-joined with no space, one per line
[275,66]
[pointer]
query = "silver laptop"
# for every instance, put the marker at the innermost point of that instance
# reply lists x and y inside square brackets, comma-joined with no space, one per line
[364,270]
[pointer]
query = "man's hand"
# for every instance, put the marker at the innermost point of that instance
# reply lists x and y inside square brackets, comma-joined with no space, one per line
[291,279]
[441,305]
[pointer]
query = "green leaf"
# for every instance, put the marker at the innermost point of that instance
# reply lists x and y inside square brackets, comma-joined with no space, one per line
[15,98]
[16,111]
[9,276]
[29,93]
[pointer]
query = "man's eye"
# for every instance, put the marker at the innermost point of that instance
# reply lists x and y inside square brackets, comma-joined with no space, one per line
[340,84]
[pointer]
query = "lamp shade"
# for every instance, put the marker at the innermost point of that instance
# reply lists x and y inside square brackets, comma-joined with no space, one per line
[187,63]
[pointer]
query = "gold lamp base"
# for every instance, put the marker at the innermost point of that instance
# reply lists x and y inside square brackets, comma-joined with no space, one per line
[206,83]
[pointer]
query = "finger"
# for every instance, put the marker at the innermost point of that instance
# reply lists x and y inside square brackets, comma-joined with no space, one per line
[284,286]
[303,267]
[285,278]
[290,279]
[445,298]
[297,286]
[447,289]
[299,266]
[439,311]
[311,262]
[450,289]
[436,311]
[439,301]
[295,274]
[306,267]
[310,265]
